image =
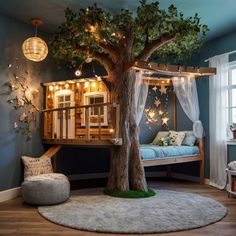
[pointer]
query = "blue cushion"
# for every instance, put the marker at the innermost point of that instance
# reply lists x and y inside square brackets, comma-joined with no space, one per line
[189,139]
[153,151]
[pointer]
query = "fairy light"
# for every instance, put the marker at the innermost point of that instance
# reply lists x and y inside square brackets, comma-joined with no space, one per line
[67,86]
[93,85]
[111,130]
[86,84]
[50,88]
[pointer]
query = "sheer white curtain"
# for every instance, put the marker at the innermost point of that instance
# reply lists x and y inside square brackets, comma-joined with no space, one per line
[140,96]
[218,120]
[186,92]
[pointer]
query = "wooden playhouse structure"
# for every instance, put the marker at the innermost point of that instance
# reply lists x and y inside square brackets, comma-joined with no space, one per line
[80,112]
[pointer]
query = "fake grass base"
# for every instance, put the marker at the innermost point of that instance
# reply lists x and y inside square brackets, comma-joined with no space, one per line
[130,193]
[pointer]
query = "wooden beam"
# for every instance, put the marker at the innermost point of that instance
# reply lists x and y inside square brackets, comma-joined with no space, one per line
[84,143]
[52,151]
[172,70]
[158,81]
[171,160]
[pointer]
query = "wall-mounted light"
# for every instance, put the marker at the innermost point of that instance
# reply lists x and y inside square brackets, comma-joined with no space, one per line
[34,48]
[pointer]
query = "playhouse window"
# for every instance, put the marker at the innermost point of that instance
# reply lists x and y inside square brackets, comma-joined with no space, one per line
[96,98]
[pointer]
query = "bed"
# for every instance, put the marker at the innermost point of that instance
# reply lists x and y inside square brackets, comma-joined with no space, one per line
[153,155]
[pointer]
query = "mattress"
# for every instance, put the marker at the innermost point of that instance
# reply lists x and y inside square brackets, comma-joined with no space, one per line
[152,151]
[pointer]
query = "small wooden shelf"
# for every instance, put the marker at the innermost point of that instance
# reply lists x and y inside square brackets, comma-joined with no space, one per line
[230,183]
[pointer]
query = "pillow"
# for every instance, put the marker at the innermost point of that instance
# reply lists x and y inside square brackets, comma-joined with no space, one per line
[164,141]
[36,166]
[161,135]
[176,138]
[232,165]
[190,139]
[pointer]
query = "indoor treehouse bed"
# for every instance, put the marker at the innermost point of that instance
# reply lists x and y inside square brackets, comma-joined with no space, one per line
[157,154]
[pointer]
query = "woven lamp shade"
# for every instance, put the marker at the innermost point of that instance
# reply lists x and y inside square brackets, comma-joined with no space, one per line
[35,49]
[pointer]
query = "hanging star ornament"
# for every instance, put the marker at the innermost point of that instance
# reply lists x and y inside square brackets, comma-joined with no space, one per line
[163,89]
[165,121]
[157,102]
[154,88]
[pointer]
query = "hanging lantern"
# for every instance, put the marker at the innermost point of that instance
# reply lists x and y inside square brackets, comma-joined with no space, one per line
[34,48]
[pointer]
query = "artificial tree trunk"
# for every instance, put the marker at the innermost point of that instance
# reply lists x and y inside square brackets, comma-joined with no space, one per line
[126,171]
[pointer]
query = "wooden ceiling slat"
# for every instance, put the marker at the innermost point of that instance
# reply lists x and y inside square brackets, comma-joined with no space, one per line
[172,70]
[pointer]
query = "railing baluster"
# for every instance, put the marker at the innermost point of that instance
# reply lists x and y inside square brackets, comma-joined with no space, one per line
[57,121]
[67,119]
[87,123]
[61,123]
[99,123]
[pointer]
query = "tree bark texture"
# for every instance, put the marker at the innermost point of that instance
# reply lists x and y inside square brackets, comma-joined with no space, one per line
[126,170]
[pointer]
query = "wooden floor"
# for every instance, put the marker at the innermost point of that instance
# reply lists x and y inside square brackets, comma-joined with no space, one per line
[17,218]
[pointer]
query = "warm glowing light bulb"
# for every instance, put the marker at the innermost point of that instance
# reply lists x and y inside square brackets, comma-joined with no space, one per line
[151,114]
[50,88]
[78,72]
[93,85]
[160,112]
[86,84]
[67,86]
[111,130]
[56,87]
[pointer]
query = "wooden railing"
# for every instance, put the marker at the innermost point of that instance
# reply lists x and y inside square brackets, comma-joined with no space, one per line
[73,124]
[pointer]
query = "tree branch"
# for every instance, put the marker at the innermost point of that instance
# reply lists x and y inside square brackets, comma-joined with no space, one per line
[108,48]
[103,58]
[102,43]
[154,45]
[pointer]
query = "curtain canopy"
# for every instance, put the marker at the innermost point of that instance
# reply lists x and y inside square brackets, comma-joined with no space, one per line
[186,92]
[140,96]
[218,120]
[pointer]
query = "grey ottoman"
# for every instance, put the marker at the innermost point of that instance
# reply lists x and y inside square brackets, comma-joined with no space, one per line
[46,189]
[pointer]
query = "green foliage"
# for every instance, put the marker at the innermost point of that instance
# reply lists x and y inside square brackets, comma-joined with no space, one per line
[130,193]
[92,26]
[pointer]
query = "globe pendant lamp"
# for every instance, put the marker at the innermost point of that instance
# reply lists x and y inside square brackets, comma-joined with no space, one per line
[34,48]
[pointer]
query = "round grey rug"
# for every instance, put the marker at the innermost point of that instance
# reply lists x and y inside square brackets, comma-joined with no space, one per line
[168,211]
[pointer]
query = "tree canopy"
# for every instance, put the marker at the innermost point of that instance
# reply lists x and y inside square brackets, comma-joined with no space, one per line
[151,31]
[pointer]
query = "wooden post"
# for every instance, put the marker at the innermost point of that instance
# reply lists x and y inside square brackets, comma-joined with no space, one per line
[99,123]
[87,123]
[61,123]
[67,117]
[201,149]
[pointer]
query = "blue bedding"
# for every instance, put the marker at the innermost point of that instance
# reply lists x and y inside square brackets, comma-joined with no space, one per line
[149,151]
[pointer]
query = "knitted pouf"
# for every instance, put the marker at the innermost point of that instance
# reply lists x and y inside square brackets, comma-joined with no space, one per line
[46,189]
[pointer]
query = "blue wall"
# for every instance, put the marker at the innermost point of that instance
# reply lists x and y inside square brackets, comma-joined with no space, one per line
[12,144]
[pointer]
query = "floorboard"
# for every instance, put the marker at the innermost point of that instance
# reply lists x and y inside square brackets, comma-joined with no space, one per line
[18,218]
